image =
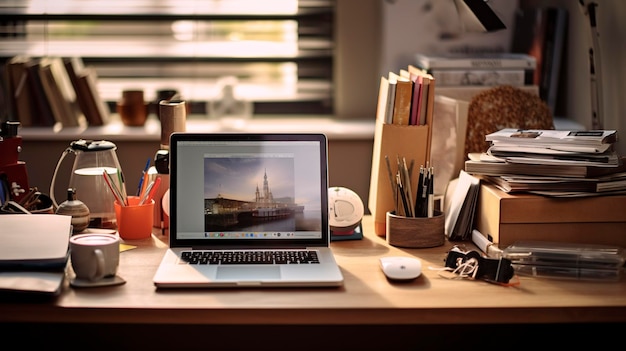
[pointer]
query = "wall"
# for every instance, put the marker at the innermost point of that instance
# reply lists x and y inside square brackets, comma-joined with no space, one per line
[349,161]
[366,43]
[406,23]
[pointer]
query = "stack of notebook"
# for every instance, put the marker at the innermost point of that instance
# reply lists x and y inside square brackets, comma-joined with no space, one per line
[34,253]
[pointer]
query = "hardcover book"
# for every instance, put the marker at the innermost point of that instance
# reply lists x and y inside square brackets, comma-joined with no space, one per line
[475,61]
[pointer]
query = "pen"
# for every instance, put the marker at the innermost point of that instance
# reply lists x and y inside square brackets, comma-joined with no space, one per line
[424,198]
[150,191]
[402,195]
[418,196]
[120,178]
[431,196]
[144,174]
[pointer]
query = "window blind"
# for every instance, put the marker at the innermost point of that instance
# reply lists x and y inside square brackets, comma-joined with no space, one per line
[279,52]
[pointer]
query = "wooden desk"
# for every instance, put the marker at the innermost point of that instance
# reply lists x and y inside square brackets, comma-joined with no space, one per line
[367,305]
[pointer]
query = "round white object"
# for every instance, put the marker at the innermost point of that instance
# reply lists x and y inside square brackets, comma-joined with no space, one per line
[345,209]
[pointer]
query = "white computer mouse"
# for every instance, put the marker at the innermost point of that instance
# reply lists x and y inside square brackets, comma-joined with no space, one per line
[401,267]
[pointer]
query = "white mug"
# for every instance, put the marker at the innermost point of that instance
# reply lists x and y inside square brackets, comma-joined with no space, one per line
[94,256]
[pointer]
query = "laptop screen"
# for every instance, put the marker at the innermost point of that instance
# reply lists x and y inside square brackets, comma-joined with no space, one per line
[247,190]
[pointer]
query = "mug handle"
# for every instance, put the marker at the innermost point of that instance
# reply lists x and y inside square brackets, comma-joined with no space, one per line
[99,265]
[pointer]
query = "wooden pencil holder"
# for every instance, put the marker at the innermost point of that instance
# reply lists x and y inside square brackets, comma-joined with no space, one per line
[415,232]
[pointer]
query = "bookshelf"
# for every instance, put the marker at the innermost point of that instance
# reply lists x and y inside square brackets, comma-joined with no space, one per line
[282,55]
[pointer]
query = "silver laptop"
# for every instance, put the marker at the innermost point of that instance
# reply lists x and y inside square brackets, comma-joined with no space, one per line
[248,210]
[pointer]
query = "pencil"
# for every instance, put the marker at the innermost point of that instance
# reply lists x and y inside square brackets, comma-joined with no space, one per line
[394,186]
[113,189]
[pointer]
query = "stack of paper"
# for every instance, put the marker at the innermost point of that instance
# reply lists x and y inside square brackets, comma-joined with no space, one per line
[552,162]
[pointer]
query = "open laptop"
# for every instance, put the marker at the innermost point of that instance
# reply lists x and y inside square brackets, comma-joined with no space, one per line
[236,199]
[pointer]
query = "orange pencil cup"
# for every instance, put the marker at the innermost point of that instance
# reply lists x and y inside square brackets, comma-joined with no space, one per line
[134,221]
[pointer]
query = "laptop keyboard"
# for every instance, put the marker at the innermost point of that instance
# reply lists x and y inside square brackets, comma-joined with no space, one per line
[251,257]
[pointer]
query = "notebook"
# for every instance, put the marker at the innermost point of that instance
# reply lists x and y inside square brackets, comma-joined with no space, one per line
[248,210]
[34,254]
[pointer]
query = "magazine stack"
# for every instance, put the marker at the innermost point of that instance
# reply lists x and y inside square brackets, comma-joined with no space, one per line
[552,162]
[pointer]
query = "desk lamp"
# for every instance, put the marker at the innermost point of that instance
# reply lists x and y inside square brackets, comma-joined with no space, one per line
[477,16]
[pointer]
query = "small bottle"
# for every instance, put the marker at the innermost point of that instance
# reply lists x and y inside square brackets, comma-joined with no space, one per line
[75,208]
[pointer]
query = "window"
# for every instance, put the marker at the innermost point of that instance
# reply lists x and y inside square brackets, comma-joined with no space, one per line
[279,52]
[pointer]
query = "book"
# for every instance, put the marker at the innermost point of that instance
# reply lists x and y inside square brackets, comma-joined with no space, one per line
[468,92]
[99,111]
[553,137]
[391,97]
[402,99]
[381,105]
[23,108]
[482,77]
[478,166]
[427,103]
[460,215]
[84,80]
[475,61]
[45,117]
[60,92]
[416,100]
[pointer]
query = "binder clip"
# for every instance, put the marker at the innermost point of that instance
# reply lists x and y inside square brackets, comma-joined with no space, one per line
[473,265]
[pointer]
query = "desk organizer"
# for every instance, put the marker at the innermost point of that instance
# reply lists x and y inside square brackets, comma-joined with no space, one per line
[409,141]
[415,232]
[399,138]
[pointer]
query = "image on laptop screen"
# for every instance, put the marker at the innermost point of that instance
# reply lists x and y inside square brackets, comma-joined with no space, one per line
[249,189]
[247,195]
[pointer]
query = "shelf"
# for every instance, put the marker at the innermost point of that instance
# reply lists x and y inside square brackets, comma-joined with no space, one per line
[151,131]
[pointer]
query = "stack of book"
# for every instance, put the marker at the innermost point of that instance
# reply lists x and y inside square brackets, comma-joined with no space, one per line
[46,91]
[479,69]
[404,98]
[552,162]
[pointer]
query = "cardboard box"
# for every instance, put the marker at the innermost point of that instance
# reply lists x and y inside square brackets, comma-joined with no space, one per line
[507,218]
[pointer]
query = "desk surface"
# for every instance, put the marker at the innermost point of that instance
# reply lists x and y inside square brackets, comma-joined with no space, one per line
[367,297]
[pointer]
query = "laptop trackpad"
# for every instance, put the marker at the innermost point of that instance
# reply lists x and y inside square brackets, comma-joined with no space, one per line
[248,273]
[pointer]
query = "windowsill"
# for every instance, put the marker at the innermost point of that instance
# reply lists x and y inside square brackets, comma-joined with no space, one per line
[357,129]
[115,130]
